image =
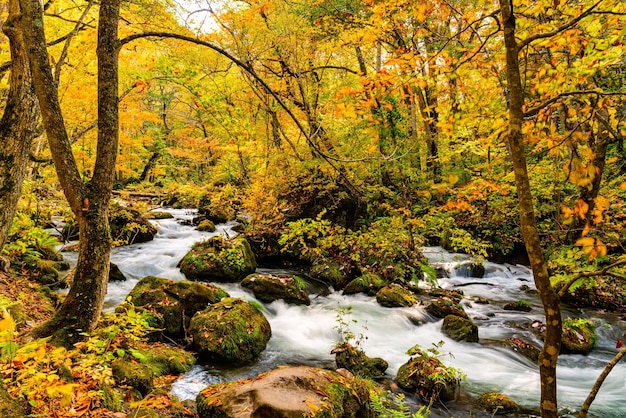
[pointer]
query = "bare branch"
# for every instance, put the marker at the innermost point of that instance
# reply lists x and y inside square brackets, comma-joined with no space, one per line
[534,110]
[596,387]
[588,274]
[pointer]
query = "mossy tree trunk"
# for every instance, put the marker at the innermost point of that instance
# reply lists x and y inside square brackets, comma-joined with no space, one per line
[18,124]
[89,200]
[530,233]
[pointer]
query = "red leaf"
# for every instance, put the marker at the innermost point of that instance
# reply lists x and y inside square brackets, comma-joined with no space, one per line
[619,344]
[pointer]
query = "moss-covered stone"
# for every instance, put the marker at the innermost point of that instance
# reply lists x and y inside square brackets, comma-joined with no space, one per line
[292,392]
[218,259]
[268,288]
[168,360]
[129,226]
[358,363]
[206,226]
[578,337]
[135,375]
[369,283]
[394,296]
[175,301]
[429,378]
[331,273]
[460,329]
[521,305]
[232,331]
[444,306]
[9,408]
[526,349]
[497,403]
[159,215]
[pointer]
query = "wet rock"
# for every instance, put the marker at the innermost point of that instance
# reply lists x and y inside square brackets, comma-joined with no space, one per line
[471,269]
[497,403]
[460,329]
[521,305]
[159,215]
[330,272]
[174,301]
[206,226]
[115,274]
[358,363]
[268,288]
[394,296]
[232,331]
[429,378]
[128,226]
[526,349]
[443,307]
[447,293]
[579,336]
[369,283]
[291,392]
[219,259]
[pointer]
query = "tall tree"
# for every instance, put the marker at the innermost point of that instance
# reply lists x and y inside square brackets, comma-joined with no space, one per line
[18,124]
[89,200]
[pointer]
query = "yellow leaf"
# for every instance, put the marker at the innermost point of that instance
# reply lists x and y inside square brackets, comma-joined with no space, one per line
[64,392]
[7,327]
[453,179]
[586,242]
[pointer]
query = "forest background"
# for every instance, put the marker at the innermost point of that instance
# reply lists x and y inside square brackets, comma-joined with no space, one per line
[377,126]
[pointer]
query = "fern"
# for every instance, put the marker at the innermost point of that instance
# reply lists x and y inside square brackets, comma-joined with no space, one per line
[384,406]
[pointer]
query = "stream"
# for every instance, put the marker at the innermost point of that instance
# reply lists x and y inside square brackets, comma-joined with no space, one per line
[306,334]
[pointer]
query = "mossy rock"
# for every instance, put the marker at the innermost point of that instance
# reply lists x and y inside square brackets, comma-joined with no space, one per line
[129,226]
[460,329]
[369,283]
[136,375]
[268,288]
[175,301]
[358,363]
[218,259]
[497,403]
[521,305]
[443,307]
[456,294]
[331,273]
[159,215]
[232,331]
[168,360]
[429,378]
[395,296]
[526,349]
[471,270]
[9,408]
[290,392]
[578,337]
[62,265]
[206,226]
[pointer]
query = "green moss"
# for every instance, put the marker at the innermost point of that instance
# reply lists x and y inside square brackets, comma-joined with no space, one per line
[443,307]
[369,283]
[358,363]
[232,331]
[9,408]
[497,403]
[579,336]
[331,273]
[460,329]
[268,288]
[136,375]
[395,296]
[206,226]
[219,259]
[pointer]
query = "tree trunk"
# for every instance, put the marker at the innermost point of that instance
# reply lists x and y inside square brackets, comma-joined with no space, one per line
[81,309]
[18,124]
[549,298]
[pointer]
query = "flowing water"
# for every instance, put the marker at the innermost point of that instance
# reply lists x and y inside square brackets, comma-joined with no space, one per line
[307,334]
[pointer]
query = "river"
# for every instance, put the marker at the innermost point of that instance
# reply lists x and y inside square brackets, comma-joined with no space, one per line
[306,334]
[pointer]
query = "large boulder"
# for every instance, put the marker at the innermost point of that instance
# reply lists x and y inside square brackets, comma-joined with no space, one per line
[291,392]
[444,306]
[369,283]
[232,331]
[175,301]
[358,363]
[395,296]
[136,375]
[219,259]
[460,329]
[268,288]
[429,378]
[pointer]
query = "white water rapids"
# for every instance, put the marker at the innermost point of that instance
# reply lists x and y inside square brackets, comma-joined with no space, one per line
[306,334]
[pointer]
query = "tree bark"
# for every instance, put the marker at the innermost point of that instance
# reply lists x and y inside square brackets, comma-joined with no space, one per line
[89,201]
[549,298]
[18,124]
